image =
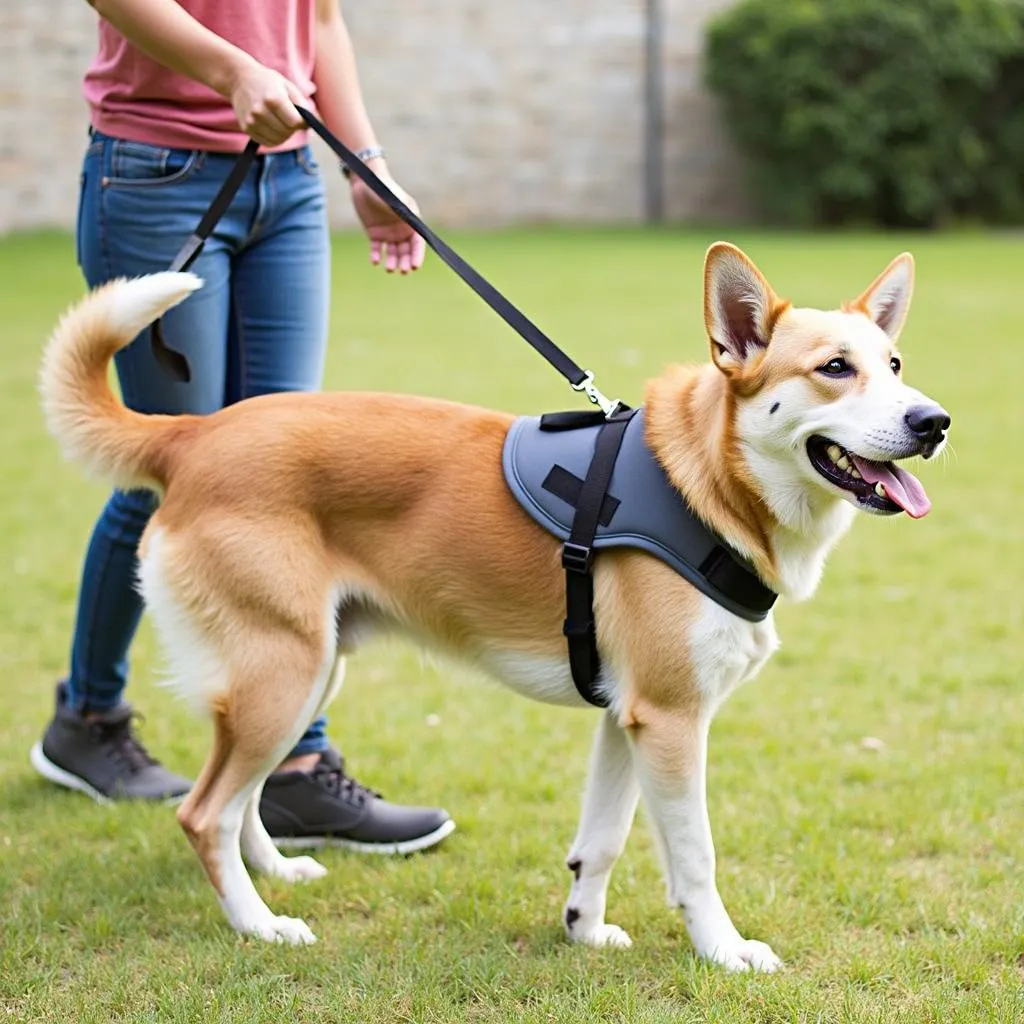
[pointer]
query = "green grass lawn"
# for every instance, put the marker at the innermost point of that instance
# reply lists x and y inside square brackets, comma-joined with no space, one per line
[887,874]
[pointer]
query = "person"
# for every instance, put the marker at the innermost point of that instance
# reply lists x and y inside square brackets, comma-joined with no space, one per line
[174,91]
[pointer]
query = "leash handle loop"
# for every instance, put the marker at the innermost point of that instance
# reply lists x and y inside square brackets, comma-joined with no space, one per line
[221,201]
[170,360]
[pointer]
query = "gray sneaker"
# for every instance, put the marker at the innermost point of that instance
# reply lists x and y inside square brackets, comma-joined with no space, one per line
[327,807]
[102,757]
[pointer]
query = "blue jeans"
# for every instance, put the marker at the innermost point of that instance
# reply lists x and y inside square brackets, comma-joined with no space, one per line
[258,325]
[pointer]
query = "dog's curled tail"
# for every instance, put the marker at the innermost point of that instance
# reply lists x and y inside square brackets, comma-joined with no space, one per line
[92,425]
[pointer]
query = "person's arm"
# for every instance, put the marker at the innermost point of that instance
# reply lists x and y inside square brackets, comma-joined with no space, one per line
[339,99]
[339,96]
[263,100]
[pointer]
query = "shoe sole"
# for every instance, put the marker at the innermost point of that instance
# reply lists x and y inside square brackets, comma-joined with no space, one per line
[397,849]
[54,773]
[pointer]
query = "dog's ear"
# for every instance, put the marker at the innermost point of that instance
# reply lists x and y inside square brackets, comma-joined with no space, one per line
[740,308]
[887,299]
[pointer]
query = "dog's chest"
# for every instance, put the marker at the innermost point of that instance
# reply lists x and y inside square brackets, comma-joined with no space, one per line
[548,680]
[728,651]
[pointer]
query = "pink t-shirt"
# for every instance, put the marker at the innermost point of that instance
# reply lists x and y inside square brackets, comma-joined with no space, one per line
[131,96]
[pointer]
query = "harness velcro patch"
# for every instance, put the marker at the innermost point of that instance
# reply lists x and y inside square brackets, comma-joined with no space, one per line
[567,486]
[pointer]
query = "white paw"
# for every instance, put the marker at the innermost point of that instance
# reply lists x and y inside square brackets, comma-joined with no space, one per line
[603,935]
[292,931]
[746,955]
[298,869]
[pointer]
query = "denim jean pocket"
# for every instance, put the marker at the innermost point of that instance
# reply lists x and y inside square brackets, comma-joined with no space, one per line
[138,165]
[307,161]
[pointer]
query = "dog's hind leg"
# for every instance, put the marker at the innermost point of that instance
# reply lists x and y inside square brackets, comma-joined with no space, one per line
[609,804]
[258,848]
[671,755]
[280,682]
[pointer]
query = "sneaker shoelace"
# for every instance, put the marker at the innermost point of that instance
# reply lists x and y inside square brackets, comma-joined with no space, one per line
[121,743]
[343,786]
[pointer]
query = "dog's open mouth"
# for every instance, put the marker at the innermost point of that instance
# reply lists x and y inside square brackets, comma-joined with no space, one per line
[881,486]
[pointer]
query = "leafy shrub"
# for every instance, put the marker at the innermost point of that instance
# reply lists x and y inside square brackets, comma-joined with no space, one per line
[895,112]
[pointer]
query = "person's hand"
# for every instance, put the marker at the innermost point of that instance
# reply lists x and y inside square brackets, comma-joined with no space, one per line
[264,103]
[391,239]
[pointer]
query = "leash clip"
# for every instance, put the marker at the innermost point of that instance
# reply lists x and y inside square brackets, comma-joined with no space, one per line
[609,406]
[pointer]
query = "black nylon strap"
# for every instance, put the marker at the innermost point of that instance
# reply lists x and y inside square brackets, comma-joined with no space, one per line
[171,361]
[737,580]
[573,420]
[577,556]
[221,201]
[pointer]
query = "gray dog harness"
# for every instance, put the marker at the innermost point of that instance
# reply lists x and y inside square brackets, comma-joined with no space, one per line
[594,484]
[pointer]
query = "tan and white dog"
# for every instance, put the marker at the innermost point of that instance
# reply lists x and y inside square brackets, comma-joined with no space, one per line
[291,526]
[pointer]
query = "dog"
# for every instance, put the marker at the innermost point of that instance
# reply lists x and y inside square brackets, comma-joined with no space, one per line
[292,526]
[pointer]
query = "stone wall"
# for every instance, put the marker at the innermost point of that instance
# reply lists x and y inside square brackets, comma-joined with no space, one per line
[492,113]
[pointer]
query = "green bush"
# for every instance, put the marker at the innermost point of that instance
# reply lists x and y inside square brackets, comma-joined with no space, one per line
[894,112]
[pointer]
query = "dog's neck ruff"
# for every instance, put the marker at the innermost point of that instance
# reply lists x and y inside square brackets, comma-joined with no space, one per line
[546,460]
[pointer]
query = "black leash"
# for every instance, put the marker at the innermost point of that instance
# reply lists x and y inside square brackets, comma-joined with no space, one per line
[177,365]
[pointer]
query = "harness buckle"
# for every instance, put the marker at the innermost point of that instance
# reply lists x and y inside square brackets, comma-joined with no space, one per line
[576,557]
[609,406]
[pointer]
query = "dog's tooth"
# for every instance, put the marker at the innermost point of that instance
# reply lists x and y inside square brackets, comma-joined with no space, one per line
[834,452]
[880,490]
[843,462]
[854,473]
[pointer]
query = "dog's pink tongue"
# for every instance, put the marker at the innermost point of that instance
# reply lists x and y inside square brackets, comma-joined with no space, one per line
[902,487]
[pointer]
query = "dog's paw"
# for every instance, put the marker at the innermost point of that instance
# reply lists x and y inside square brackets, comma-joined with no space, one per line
[603,935]
[292,931]
[746,955]
[298,869]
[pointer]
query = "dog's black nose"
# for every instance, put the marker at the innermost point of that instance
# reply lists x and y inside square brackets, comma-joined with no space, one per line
[928,422]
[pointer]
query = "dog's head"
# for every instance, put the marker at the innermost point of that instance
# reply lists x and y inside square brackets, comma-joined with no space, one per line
[820,402]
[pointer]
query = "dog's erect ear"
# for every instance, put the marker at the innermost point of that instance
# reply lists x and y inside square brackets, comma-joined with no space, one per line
[887,298]
[740,307]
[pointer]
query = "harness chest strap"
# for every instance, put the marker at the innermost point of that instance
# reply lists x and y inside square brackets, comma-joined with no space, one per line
[580,628]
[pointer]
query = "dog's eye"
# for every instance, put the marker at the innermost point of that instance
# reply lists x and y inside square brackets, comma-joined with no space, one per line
[837,367]
[895,365]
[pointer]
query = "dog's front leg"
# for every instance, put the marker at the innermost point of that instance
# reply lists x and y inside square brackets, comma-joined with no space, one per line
[609,804]
[671,753]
